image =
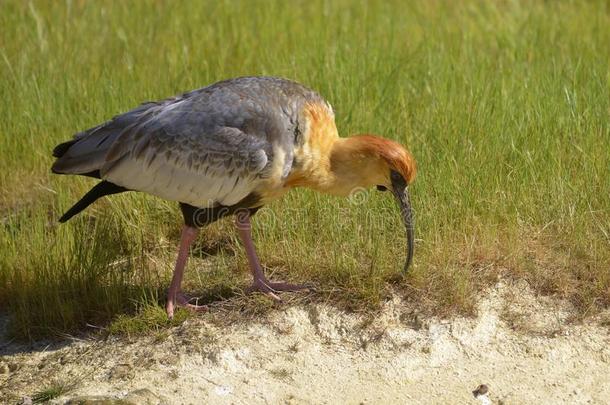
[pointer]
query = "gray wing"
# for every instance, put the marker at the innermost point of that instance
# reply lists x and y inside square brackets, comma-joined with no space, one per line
[207,147]
[173,150]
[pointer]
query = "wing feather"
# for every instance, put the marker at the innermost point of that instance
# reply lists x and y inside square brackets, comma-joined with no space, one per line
[218,165]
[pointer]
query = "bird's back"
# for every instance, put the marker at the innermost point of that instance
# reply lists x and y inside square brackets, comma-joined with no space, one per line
[208,146]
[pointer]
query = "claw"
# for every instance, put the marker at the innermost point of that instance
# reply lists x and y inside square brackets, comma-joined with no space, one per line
[181,300]
[271,288]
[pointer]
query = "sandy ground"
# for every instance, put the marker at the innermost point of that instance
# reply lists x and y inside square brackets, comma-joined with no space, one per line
[520,346]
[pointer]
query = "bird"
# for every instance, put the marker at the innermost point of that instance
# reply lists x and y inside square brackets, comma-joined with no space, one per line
[227,149]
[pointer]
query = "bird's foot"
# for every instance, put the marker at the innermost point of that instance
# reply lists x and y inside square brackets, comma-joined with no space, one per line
[271,288]
[180,300]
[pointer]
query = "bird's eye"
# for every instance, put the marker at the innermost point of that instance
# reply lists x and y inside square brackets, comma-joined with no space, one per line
[382,188]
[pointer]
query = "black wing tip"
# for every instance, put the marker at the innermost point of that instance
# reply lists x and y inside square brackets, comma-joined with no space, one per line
[99,190]
[62,148]
[75,209]
[64,218]
[71,212]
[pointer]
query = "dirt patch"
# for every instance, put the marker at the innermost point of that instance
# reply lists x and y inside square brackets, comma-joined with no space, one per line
[521,347]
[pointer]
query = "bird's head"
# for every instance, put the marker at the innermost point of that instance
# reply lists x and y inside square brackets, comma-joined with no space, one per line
[365,161]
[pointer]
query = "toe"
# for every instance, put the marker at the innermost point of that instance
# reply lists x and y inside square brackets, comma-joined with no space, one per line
[196,308]
[169,308]
[272,288]
[183,301]
[289,287]
[263,288]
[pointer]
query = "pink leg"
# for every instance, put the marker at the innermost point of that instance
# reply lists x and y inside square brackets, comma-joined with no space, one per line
[174,295]
[260,282]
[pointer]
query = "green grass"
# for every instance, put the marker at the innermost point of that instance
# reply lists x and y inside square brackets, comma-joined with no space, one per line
[147,319]
[505,106]
[53,390]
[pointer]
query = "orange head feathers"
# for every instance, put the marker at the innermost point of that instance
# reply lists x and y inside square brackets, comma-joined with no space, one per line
[392,153]
[364,161]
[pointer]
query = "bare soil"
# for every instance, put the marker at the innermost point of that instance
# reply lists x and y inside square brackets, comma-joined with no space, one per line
[522,347]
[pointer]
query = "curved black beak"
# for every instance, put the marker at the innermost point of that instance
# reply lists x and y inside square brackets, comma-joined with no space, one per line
[400,189]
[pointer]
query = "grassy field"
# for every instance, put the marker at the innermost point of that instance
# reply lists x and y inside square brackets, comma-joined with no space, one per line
[504,104]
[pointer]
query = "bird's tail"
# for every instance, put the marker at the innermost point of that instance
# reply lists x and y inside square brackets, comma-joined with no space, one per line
[99,190]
